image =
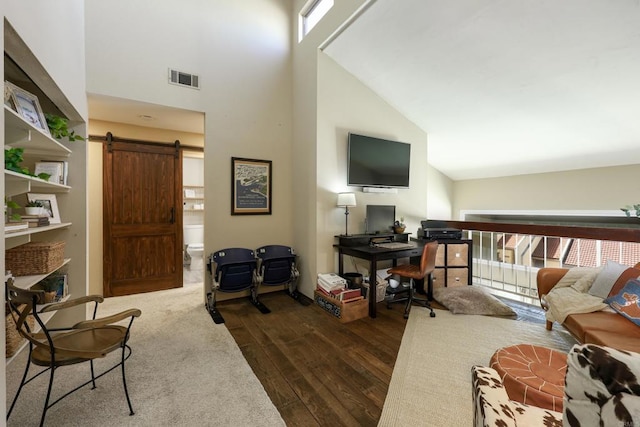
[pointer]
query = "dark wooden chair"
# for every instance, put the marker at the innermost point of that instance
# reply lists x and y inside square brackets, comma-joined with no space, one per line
[413,273]
[83,342]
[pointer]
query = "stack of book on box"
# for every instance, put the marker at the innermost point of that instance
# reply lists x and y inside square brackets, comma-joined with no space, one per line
[329,282]
[36,220]
[334,286]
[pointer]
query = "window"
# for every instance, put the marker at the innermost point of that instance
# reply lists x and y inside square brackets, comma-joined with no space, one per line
[311,14]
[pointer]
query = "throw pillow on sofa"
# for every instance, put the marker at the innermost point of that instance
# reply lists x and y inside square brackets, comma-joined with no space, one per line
[606,279]
[579,278]
[626,301]
[628,274]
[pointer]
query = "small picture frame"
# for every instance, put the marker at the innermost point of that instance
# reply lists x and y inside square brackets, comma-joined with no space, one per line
[8,98]
[50,205]
[250,186]
[28,107]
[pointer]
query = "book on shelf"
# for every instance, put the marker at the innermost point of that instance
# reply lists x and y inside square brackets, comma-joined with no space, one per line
[57,169]
[36,220]
[15,226]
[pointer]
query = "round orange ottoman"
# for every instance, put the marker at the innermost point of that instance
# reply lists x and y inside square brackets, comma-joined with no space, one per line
[532,374]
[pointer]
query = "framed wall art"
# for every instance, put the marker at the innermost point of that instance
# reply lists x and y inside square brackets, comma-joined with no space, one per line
[27,106]
[250,186]
[50,204]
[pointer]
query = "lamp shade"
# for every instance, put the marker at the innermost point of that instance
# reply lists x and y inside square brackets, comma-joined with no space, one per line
[346,200]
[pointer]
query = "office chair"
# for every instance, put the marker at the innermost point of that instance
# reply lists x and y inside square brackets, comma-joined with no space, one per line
[233,270]
[83,342]
[277,266]
[413,273]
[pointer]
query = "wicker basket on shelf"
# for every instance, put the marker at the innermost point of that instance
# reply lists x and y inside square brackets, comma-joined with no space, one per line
[35,258]
[13,339]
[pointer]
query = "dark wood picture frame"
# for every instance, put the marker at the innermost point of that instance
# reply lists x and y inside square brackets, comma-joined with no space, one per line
[250,186]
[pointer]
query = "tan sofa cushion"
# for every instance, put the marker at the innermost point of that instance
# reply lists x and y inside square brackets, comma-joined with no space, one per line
[579,324]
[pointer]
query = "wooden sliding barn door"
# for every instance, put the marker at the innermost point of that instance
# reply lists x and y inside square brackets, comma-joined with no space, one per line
[142,216]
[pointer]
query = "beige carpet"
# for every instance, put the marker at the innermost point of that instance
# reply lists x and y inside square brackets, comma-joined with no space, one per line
[184,371]
[431,381]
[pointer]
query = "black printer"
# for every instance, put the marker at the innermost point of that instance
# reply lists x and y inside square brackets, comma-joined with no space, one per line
[438,230]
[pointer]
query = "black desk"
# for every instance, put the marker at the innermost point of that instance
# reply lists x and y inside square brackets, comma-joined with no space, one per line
[373,255]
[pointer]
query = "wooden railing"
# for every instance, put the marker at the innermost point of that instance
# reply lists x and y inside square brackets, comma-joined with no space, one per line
[516,278]
[618,234]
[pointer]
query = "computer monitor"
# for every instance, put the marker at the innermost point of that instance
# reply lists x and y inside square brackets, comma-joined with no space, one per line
[380,218]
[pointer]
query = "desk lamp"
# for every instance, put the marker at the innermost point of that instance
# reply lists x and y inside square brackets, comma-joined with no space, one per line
[346,200]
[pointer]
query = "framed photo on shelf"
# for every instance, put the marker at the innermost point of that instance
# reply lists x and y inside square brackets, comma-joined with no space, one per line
[50,205]
[27,106]
[8,99]
[250,186]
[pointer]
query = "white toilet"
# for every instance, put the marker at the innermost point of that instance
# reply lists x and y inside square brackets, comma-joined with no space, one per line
[193,240]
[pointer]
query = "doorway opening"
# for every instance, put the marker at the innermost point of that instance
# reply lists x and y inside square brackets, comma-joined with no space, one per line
[193,217]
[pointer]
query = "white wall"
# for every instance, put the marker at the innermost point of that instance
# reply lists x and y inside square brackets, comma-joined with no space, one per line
[586,189]
[54,31]
[242,52]
[308,204]
[192,170]
[439,195]
[346,105]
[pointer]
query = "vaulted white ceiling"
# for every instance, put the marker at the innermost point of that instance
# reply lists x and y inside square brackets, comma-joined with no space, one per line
[506,87]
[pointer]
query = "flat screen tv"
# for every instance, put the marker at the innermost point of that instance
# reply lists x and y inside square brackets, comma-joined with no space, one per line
[380,218]
[376,162]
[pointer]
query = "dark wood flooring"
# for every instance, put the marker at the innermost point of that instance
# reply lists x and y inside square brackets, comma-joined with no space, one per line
[316,370]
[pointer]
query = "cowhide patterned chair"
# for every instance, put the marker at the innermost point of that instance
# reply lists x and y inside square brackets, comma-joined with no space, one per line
[602,388]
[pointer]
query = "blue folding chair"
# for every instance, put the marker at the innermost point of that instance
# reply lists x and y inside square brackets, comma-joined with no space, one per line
[232,270]
[277,267]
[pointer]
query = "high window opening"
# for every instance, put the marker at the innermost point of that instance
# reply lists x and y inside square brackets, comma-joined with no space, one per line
[311,14]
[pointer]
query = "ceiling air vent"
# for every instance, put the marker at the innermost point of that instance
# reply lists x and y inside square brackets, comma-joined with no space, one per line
[183,79]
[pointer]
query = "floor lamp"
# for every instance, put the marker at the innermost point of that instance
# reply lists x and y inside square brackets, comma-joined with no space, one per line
[346,201]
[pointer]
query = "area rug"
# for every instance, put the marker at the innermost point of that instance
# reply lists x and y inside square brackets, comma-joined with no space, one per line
[431,380]
[472,300]
[184,371]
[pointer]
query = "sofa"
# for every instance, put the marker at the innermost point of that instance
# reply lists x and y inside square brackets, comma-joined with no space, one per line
[601,325]
[601,388]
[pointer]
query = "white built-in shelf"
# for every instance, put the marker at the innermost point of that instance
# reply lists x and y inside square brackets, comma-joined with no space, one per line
[21,134]
[34,230]
[26,282]
[18,183]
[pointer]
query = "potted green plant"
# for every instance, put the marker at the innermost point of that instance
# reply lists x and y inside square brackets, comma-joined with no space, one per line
[59,128]
[10,204]
[399,226]
[33,207]
[13,157]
